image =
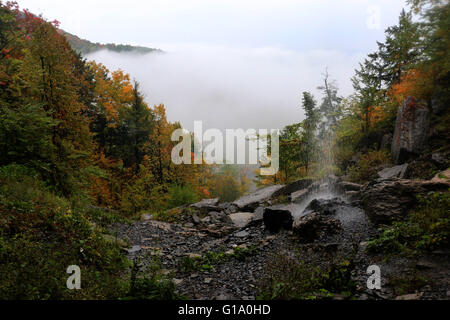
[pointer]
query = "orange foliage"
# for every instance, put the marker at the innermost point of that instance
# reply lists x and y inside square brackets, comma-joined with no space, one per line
[106,191]
[409,86]
[205,192]
[113,91]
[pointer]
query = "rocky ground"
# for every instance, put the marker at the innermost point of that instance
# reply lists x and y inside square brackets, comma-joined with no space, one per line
[221,251]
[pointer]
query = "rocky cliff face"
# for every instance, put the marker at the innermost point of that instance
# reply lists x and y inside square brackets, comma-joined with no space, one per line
[411,131]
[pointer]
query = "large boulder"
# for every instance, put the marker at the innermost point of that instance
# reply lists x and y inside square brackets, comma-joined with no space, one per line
[395,172]
[258,215]
[207,205]
[241,219]
[299,196]
[314,225]
[220,217]
[324,206]
[276,219]
[387,200]
[411,131]
[345,186]
[439,159]
[251,202]
[293,187]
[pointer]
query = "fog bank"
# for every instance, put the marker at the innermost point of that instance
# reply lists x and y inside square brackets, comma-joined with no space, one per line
[231,87]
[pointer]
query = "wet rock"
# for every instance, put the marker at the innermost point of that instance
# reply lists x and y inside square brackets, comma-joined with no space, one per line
[242,234]
[231,209]
[206,220]
[299,196]
[167,227]
[395,172]
[259,214]
[241,219]
[134,249]
[293,187]
[277,219]
[218,231]
[353,196]
[207,205]
[332,179]
[383,201]
[324,207]
[196,218]
[314,225]
[411,131]
[251,202]
[224,206]
[349,186]
[439,158]
[220,217]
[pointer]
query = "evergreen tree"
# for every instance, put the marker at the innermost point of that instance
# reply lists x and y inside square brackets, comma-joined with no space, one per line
[309,130]
[400,50]
[138,124]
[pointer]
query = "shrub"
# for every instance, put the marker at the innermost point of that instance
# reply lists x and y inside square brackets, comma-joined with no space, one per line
[427,228]
[153,286]
[368,166]
[143,195]
[207,261]
[41,235]
[292,279]
[181,195]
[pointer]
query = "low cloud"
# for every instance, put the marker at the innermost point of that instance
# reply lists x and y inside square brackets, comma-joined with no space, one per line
[232,87]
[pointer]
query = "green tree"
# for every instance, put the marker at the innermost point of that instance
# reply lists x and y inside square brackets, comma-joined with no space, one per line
[290,151]
[309,125]
[400,50]
[435,26]
[138,125]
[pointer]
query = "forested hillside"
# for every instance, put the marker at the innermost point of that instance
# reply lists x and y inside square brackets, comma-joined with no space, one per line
[85,47]
[80,149]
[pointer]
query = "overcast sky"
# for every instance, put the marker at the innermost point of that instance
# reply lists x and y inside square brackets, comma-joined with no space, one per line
[230,63]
